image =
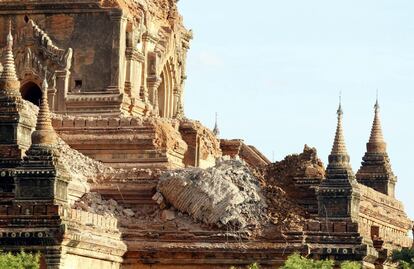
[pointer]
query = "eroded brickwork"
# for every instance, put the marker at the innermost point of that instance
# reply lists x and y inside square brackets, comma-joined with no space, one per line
[99,168]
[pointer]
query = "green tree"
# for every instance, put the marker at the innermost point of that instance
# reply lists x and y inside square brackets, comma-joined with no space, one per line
[21,260]
[404,257]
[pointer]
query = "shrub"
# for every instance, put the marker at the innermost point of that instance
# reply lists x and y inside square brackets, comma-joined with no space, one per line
[296,261]
[251,266]
[350,265]
[254,266]
[21,260]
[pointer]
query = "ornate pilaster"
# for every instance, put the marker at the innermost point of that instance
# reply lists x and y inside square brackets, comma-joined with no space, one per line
[338,194]
[153,85]
[62,83]
[376,171]
[118,50]
[176,96]
[180,109]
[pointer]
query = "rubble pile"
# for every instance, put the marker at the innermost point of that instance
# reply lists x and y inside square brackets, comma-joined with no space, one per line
[209,144]
[167,134]
[305,166]
[225,195]
[94,203]
[122,175]
[282,211]
[80,167]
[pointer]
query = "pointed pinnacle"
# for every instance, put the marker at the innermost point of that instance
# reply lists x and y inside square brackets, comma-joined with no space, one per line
[44,133]
[339,146]
[8,78]
[376,142]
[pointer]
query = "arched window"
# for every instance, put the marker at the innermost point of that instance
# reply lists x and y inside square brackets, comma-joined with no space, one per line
[31,92]
[165,93]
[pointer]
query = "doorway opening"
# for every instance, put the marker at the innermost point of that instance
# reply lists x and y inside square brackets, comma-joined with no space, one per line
[31,92]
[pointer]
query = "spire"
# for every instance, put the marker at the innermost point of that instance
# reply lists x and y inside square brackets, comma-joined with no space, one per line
[339,146]
[44,133]
[376,171]
[216,129]
[339,167]
[376,140]
[8,78]
[338,194]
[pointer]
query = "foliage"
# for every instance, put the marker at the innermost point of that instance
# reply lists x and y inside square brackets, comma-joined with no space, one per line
[21,260]
[350,265]
[405,257]
[296,261]
[251,266]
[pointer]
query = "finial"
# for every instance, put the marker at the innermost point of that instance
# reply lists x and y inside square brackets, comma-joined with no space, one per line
[44,133]
[8,79]
[10,36]
[340,112]
[376,103]
[216,130]
[45,85]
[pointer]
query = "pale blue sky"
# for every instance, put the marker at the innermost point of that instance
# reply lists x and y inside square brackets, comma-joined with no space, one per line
[272,69]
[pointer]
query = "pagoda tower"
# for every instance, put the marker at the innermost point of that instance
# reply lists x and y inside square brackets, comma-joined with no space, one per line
[16,122]
[338,194]
[376,171]
[41,178]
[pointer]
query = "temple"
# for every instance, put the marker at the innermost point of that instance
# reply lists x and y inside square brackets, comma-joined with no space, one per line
[100,167]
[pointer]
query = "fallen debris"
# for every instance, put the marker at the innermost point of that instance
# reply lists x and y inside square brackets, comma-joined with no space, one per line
[94,203]
[80,167]
[227,194]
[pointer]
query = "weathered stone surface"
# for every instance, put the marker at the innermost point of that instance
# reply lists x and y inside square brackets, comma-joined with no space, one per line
[248,153]
[117,98]
[227,194]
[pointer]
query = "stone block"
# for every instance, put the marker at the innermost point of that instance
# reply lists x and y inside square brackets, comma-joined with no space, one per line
[80,122]
[27,210]
[39,210]
[113,122]
[4,210]
[135,122]
[16,210]
[167,215]
[340,227]
[68,123]
[314,226]
[52,210]
[90,123]
[125,122]
[57,123]
[352,227]
[327,227]
[102,123]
